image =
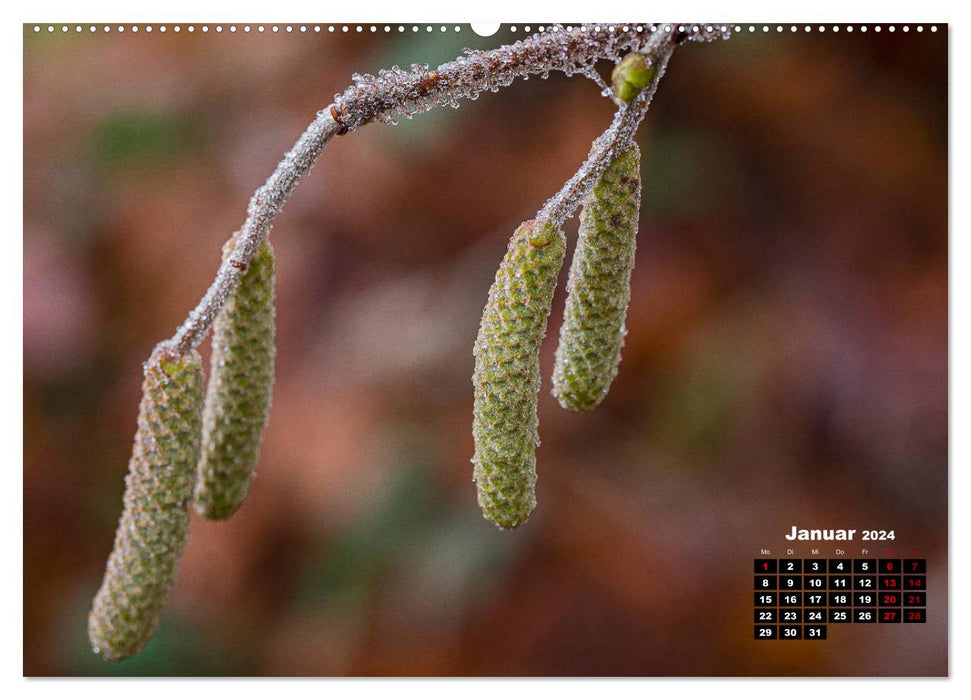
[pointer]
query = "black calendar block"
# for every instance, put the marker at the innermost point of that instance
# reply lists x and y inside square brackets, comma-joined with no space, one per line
[890,583]
[790,566]
[766,600]
[813,600]
[915,599]
[766,632]
[915,566]
[840,583]
[765,566]
[888,599]
[891,566]
[864,566]
[765,583]
[839,599]
[814,583]
[814,615]
[766,617]
[915,615]
[837,616]
[890,615]
[798,598]
[814,632]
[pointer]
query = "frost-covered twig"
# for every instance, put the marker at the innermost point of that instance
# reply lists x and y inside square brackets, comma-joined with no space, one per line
[395,93]
[264,205]
[618,136]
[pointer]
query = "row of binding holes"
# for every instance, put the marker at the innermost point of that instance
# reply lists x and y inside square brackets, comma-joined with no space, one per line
[738,28]
[836,28]
[289,28]
[387,28]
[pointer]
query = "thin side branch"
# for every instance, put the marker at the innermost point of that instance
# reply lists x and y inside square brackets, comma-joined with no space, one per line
[394,93]
[264,205]
[617,138]
[619,135]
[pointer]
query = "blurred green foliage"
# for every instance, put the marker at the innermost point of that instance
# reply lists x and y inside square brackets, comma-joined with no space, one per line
[132,139]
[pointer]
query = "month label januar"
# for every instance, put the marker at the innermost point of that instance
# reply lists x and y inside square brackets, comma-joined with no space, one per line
[823,535]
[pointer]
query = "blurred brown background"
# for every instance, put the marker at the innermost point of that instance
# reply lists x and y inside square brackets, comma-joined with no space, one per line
[786,362]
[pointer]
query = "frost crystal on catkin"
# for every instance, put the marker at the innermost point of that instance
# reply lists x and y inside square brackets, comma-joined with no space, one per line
[598,290]
[240,384]
[154,525]
[507,378]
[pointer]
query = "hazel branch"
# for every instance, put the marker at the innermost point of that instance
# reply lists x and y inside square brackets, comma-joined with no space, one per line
[394,93]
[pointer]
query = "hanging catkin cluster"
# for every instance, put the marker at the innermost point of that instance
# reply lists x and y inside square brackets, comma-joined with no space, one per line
[155,521]
[240,384]
[507,378]
[183,451]
[191,448]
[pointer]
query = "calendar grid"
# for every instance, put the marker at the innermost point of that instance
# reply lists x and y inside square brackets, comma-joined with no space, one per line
[800,598]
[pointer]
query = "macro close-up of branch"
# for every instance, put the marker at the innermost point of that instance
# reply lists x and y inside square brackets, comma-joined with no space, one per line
[485,350]
[199,447]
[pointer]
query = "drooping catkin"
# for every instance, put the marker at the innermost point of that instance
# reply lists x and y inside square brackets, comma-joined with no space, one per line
[507,377]
[240,385]
[154,524]
[598,290]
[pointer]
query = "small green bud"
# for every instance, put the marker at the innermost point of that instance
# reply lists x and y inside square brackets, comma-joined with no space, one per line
[507,378]
[598,289]
[630,76]
[154,524]
[240,385]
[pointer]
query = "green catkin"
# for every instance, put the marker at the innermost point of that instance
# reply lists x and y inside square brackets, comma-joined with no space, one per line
[507,376]
[598,290]
[240,385]
[154,524]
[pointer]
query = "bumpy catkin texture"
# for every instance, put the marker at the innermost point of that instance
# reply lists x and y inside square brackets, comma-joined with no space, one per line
[240,384]
[598,290]
[154,524]
[507,378]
